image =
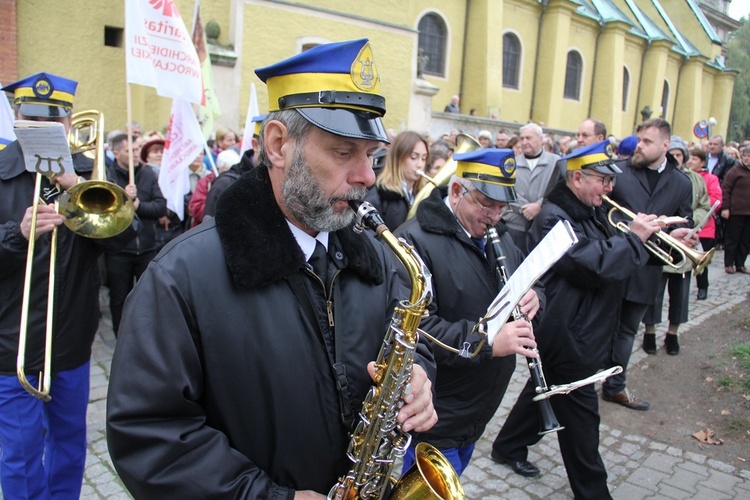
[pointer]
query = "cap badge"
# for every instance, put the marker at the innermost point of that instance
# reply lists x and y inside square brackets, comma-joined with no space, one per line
[608,151]
[509,167]
[363,71]
[43,88]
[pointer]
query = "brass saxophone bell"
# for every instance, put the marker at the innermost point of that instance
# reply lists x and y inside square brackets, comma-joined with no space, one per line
[431,477]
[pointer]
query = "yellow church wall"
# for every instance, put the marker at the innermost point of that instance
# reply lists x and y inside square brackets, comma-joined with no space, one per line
[672,76]
[690,93]
[483,58]
[687,23]
[633,60]
[522,19]
[721,101]
[582,39]
[392,48]
[606,101]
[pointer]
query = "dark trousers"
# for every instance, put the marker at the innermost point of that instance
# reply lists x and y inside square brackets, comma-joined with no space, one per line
[736,240]
[702,279]
[123,270]
[630,318]
[578,412]
[679,300]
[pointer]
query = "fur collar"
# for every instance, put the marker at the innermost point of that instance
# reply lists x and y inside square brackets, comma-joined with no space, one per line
[434,216]
[258,245]
[563,197]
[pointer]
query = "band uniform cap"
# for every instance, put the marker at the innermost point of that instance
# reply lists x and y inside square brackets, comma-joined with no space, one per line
[335,86]
[491,170]
[148,145]
[598,157]
[627,145]
[258,121]
[43,95]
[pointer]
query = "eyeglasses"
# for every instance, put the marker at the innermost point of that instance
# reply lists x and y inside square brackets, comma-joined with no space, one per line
[583,134]
[607,180]
[487,211]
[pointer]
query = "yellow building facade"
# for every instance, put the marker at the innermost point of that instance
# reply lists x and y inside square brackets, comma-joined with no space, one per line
[555,62]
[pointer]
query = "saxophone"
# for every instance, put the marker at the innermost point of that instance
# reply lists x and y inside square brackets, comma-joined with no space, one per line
[378,439]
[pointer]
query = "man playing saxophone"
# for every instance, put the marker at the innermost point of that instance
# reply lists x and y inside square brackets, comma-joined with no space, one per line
[584,290]
[448,232]
[242,377]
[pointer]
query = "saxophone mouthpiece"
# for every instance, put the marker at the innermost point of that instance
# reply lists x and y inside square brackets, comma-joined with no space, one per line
[367,216]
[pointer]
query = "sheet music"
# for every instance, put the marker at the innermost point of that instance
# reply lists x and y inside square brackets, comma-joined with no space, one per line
[45,146]
[547,252]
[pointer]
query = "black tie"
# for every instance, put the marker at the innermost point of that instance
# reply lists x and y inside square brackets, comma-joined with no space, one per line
[319,261]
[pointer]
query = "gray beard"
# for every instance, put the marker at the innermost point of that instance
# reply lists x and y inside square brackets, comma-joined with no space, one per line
[306,202]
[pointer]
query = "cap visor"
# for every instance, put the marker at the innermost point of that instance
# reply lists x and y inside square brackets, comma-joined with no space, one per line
[347,123]
[43,111]
[607,169]
[496,192]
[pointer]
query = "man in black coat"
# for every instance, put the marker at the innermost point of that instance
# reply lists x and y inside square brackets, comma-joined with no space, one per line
[651,182]
[44,443]
[448,232]
[126,265]
[718,163]
[584,290]
[243,356]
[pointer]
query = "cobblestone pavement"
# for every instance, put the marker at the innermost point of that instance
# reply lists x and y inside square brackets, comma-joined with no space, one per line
[638,467]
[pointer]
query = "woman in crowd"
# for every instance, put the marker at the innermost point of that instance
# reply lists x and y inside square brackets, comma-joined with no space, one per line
[225,139]
[697,163]
[735,191]
[398,183]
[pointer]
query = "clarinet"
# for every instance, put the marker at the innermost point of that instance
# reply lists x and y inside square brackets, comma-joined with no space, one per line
[547,416]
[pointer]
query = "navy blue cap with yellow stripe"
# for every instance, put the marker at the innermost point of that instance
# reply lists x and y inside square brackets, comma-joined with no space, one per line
[43,95]
[334,86]
[258,121]
[491,170]
[598,157]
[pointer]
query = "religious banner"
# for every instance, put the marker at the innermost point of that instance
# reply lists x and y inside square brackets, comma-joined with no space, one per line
[6,123]
[159,50]
[183,143]
[209,110]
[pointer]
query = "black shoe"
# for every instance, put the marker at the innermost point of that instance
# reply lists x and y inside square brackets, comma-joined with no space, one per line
[649,343]
[702,294]
[625,399]
[672,344]
[522,467]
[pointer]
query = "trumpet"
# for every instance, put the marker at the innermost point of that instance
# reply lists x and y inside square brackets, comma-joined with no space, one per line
[676,254]
[93,209]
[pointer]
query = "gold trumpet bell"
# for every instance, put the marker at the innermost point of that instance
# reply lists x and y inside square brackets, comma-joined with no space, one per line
[431,477]
[97,209]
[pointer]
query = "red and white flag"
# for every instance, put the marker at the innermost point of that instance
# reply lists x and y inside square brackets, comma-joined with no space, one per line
[183,143]
[160,51]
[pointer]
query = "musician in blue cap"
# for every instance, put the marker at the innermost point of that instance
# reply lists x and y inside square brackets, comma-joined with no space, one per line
[44,443]
[243,376]
[584,291]
[449,233]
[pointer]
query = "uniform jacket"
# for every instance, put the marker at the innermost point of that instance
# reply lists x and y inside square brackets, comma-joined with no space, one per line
[221,384]
[393,207]
[77,282]
[152,205]
[468,391]
[736,190]
[585,286]
[531,186]
[673,195]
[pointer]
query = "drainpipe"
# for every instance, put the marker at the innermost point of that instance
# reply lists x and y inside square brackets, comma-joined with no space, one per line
[593,71]
[536,59]
[463,54]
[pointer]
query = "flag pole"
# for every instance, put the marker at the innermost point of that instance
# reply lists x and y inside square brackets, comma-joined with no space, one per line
[131,167]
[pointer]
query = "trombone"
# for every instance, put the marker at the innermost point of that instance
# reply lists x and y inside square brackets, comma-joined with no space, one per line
[682,252]
[94,209]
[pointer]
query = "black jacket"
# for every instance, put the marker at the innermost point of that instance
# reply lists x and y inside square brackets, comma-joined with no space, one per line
[723,165]
[220,380]
[393,207]
[464,281]
[585,287]
[225,180]
[673,195]
[152,205]
[77,282]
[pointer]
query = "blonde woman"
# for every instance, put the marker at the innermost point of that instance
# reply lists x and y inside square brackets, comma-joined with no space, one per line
[398,183]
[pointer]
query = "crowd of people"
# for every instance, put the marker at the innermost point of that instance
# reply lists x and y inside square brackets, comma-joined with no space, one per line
[265,268]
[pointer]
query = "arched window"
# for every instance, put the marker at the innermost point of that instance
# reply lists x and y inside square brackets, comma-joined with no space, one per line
[573,72]
[625,88]
[432,36]
[511,60]
[664,99]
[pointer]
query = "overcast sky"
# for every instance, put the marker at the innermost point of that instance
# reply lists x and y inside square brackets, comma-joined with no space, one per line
[739,9]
